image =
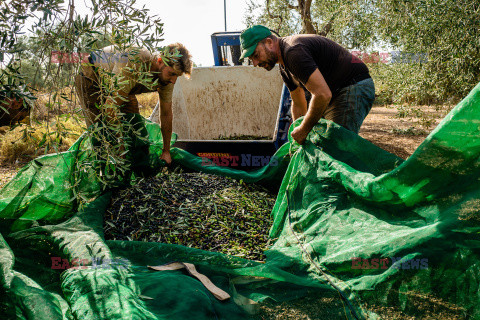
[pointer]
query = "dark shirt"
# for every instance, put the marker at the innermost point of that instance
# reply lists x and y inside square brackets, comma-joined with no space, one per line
[303,54]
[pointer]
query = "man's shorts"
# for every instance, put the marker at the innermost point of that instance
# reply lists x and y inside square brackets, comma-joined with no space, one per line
[89,97]
[353,103]
[91,101]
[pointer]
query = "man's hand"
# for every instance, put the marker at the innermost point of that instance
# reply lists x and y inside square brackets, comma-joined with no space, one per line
[166,157]
[166,118]
[300,134]
[321,96]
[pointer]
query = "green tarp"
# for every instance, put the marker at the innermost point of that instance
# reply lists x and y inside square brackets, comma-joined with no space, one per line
[349,217]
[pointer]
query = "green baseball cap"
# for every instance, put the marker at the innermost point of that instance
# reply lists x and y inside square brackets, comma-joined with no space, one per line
[250,37]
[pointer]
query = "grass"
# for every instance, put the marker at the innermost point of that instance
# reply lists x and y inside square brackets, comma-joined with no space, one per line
[55,123]
[410,131]
[50,105]
[147,102]
[425,117]
[24,142]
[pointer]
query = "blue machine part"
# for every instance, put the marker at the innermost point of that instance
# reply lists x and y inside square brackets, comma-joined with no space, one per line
[284,118]
[221,43]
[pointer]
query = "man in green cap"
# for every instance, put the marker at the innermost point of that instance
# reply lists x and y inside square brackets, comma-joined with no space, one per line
[340,84]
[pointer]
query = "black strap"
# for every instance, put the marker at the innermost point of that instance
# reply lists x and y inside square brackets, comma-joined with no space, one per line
[91,59]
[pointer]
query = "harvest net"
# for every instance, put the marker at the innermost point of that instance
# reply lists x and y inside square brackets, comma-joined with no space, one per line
[351,219]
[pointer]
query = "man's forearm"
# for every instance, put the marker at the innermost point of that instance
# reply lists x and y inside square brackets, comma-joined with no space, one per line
[321,96]
[166,126]
[318,105]
[298,111]
[299,103]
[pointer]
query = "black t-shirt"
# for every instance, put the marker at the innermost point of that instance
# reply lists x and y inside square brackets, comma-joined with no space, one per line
[303,54]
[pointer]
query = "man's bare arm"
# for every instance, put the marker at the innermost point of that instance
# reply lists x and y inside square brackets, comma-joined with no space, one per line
[299,103]
[166,119]
[321,96]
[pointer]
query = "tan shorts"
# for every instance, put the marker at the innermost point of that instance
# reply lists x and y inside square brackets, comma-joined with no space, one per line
[89,97]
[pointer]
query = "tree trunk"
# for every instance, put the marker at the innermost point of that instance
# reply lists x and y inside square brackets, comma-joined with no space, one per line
[304,9]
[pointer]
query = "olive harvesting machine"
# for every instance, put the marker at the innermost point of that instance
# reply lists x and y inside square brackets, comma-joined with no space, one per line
[230,114]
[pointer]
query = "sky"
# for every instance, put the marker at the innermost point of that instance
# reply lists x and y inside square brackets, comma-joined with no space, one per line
[191,22]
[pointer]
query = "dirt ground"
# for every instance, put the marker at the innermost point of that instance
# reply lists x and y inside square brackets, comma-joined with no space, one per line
[7,172]
[398,131]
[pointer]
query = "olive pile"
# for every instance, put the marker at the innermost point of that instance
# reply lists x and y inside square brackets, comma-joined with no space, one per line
[196,210]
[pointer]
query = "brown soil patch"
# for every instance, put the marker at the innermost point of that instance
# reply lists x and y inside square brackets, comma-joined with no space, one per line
[400,135]
[7,172]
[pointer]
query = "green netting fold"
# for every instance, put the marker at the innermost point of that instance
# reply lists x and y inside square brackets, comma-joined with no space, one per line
[345,205]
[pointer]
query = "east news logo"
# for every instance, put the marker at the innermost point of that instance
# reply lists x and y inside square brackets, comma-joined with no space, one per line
[385,263]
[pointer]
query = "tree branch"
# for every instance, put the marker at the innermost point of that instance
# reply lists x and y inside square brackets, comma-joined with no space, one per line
[291,7]
[327,27]
[307,5]
[304,8]
[272,16]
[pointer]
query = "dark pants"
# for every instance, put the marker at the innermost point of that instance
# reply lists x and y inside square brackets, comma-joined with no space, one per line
[351,106]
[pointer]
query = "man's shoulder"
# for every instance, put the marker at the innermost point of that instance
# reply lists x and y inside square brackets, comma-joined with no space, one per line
[143,53]
[296,45]
[308,45]
[307,41]
[129,49]
[166,87]
[299,40]
[292,46]
[113,51]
